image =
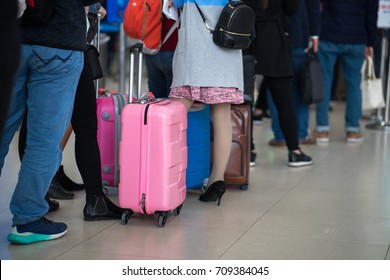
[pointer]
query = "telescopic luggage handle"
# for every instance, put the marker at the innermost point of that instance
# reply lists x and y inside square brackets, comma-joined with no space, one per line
[137,47]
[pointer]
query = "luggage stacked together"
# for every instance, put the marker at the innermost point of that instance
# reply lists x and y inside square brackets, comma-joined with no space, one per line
[152,151]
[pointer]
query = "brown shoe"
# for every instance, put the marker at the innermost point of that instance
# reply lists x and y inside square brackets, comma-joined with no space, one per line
[276,143]
[354,137]
[321,136]
[308,141]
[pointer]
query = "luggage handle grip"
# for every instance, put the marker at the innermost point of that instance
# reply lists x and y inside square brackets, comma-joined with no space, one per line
[138,46]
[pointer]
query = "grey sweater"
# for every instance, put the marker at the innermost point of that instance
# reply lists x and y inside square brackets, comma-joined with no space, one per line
[197,60]
[66,29]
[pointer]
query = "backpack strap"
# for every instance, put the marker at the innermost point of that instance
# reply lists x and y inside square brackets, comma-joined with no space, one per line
[170,32]
[204,19]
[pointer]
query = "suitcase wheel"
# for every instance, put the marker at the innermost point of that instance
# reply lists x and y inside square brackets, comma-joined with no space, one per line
[244,187]
[125,217]
[176,211]
[162,219]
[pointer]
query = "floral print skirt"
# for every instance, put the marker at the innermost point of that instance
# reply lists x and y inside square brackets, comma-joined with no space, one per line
[208,95]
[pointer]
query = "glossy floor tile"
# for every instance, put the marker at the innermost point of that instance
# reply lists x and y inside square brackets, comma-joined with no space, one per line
[338,208]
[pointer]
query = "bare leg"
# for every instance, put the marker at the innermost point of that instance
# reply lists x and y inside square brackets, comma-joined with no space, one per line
[222,140]
[222,137]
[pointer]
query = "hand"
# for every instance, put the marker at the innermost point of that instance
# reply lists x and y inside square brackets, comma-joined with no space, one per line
[102,12]
[315,42]
[369,52]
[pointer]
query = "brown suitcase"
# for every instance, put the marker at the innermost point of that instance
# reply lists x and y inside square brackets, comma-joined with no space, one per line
[237,170]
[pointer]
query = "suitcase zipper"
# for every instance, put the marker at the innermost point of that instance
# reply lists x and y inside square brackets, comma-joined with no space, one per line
[146,114]
[235,33]
[147,108]
[144,160]
[145,157]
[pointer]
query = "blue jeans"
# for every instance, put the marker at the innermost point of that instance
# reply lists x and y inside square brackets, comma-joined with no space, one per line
[45,84]
[351,60]
[301,109]
[159,69]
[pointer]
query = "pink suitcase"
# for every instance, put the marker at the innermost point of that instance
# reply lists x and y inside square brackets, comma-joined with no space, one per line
[109,106]
[153,154]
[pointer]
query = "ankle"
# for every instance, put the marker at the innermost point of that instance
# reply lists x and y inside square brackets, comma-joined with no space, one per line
[297,152]
[215,183]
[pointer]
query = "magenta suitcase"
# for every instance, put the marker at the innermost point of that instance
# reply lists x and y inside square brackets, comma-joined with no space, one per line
[153,154]
[109,107]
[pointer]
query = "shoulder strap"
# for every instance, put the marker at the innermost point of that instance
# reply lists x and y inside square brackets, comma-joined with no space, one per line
[204,19]
[170,32]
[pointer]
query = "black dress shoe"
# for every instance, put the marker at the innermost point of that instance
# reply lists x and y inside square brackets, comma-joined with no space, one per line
[53,204]
[100,207]
[57,192]
[214,192]
[66,182]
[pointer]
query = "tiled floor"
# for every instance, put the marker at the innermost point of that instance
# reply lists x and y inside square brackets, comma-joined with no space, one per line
[339,208]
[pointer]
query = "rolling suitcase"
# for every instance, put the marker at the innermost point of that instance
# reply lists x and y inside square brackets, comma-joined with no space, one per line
[198,143]
[108,108]
[237,170]
[109,105]
[152,154]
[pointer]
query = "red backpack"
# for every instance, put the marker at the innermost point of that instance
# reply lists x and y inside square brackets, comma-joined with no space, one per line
[142,22]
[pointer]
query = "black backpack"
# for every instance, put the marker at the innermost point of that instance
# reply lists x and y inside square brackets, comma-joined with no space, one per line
[235,26]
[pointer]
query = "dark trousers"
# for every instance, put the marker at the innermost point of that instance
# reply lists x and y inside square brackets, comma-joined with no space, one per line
[9,56]
[261,102]
[280,89]
[84,123]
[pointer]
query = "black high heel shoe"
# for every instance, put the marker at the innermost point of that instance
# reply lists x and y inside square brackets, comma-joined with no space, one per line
[214,192]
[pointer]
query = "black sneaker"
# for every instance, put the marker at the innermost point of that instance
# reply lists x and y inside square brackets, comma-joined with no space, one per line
[40,230]
[298,160]
[253,159]
[257,120]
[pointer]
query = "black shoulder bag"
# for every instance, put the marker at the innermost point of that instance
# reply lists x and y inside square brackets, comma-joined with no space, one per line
[235,26]
[311,79]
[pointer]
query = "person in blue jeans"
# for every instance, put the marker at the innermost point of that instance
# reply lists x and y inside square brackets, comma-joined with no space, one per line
[305,30]
[348,33]
[50,65]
